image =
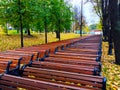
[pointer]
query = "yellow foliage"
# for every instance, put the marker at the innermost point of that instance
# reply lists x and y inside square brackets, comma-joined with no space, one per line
[86,29]
[109,69]
[13,41]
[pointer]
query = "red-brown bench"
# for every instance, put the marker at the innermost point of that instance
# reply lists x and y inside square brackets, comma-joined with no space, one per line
[73,61]
[62,77]
[42,52]
[5,66]
[90,70]
[9,82]
[26,58]
[35,54]
[15,65]
[75,57]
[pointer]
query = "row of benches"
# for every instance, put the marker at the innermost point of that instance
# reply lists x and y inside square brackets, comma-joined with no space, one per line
[23,56]
[65,65]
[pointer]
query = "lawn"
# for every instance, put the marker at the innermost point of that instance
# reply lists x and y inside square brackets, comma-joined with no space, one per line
[13,41]
[110,69]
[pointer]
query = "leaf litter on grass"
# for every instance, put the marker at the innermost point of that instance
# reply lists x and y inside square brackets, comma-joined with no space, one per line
[109,69]
[13,41]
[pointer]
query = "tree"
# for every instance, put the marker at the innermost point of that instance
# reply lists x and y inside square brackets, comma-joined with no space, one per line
[38,15]
[99,26]
[115,28]
[111,18]
[61,16]
[102,9]
[93,26]
[86,29]
[4,16]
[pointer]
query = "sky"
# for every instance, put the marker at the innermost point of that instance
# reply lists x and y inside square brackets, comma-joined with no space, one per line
[88,11]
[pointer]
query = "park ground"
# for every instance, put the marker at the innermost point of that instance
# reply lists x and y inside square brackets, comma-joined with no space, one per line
[109,69]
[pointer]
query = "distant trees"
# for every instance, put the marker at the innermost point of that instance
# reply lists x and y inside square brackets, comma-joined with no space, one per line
[93,26]
[99,25]
[37,15]
[111,24]
[79,19]
[61,16]
[4,14]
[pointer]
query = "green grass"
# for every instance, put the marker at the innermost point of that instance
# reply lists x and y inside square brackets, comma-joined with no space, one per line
[12,32]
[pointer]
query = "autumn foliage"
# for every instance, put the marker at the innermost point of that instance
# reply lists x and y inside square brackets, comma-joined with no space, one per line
[109,69]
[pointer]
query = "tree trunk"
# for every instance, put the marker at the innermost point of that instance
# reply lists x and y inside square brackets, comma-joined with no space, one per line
[81,18]
[18,30]
[105,37]
[45,24]
[59,29]
[28,32]
[107,33]
[115,29]
[110,38]
[57,34]
[21,24]
[110,43]
[6,30]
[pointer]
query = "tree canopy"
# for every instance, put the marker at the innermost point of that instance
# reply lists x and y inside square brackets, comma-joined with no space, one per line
[35,13]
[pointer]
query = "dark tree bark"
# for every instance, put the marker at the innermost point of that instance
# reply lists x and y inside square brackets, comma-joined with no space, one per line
[21,24]
[115,28]
[28,32]
[110,43]
[59,29]
[81,18]
[107,33]
[6,29]
[110,38]
[104,20]
[57,34]
[45,24]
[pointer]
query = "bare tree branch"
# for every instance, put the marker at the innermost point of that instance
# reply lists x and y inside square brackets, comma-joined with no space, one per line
[97,9]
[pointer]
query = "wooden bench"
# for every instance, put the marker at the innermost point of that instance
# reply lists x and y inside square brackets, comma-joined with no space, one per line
[73,61]
[98,45]
[67,78]
[93,40]
[77,41]
[92,49]
[35,54]
[5,66]
[76,54]
[15,65]
[42,52]
[26,58]
[75,57]
[82,51]
[87,47]
[90,70]
[9,82]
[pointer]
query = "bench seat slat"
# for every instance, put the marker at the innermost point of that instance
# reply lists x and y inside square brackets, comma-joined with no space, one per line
[23,83]
[66,67]
[63,76]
